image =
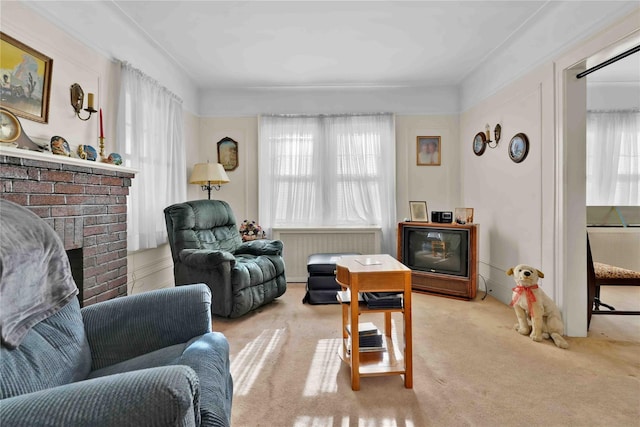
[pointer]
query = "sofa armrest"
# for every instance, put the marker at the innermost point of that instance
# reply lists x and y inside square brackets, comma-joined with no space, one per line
[158,396]
[205,259]
[260,247]
[123,328]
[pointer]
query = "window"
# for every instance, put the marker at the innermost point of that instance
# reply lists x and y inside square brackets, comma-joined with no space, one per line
[150,140]
[613,158]
[328,171]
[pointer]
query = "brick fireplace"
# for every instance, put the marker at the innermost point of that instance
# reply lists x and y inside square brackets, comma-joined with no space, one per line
[86,204]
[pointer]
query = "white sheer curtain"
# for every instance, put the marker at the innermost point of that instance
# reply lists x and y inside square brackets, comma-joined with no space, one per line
[329,171]
[150,140]
[613,158]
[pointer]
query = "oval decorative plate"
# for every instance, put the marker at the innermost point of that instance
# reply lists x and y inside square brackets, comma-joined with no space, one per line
[519,147]
[60,146]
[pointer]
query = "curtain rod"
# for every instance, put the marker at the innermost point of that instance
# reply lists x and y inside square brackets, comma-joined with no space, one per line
[609,61]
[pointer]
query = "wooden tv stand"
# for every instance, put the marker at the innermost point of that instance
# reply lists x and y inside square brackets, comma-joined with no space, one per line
[440,283]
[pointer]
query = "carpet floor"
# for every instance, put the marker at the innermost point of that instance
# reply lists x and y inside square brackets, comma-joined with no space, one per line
[470,369]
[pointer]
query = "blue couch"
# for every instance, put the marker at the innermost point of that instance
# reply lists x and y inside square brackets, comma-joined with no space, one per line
[147,359]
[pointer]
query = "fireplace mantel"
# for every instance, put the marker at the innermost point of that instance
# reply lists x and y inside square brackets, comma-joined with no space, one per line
[85,202]
[49,157]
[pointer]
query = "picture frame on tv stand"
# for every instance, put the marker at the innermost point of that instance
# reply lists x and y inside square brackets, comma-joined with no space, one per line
[463,215]
[418,211]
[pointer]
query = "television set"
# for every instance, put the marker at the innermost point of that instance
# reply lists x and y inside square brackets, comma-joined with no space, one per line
[436,250]
[443,258]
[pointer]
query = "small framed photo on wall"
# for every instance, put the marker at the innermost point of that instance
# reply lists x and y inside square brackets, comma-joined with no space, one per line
[428,149]
[418,211]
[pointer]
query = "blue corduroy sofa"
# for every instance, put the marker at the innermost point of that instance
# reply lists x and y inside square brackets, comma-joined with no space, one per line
[143,360]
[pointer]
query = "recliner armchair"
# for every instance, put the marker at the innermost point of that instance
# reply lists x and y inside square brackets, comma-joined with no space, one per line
[147,359]
[206,247]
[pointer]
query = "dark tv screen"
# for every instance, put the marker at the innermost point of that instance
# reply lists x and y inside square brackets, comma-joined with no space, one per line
[436,250]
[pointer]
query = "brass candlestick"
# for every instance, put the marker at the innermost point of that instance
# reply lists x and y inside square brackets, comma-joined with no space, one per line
[102,158]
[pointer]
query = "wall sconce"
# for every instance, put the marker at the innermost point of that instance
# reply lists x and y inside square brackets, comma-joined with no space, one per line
[77,100]
[208,176]
[496,132]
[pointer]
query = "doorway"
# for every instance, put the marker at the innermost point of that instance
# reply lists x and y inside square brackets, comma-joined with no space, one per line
[570,218]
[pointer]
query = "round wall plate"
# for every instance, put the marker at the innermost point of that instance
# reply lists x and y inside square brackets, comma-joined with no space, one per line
[519,147]
[479,143]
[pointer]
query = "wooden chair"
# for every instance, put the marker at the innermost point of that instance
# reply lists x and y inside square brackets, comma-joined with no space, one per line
[600,274]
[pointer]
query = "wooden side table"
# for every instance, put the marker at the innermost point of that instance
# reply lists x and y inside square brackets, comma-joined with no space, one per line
[375,273]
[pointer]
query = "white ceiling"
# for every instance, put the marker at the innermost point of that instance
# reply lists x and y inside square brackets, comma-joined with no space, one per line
[336,44]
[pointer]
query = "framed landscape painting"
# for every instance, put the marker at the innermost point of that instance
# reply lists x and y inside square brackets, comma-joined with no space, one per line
[228,153]
[25,76]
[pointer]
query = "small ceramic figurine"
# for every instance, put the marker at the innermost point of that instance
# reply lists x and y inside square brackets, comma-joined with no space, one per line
[87,152]
[114,158]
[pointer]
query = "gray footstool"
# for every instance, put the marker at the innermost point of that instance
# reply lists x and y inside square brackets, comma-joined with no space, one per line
[321,284]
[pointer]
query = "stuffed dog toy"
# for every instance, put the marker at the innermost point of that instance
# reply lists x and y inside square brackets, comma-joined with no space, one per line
[536,312]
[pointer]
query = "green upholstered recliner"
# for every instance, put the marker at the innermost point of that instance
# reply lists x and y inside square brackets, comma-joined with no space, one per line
[207,248]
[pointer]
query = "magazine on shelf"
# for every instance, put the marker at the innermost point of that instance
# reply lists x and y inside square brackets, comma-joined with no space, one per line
[345,296]
[366,349]
[365,328]
[383,299]
[370,336]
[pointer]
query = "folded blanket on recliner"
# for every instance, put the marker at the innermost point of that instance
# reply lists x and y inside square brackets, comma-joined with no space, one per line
[35,275]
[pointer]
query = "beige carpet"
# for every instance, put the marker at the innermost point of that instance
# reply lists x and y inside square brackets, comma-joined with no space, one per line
[470,369]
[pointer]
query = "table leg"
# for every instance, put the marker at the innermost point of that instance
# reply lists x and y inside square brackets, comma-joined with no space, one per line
[355,340]
[408,334]
[387,323]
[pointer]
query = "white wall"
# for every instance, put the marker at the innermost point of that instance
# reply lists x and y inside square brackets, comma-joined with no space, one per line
[73,62]
[534,212]
[513,202]
[440,186]
[613,96]
[616,246]
[242,191]
[329,100]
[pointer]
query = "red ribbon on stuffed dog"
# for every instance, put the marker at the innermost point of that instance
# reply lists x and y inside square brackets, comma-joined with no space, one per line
[531,298]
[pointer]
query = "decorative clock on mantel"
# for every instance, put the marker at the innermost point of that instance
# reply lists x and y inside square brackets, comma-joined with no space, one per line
[12,134]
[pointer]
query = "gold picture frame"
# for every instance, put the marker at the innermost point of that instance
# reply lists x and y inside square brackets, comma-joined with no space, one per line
[419,211]
[25,80]
[428,150]
[228,153]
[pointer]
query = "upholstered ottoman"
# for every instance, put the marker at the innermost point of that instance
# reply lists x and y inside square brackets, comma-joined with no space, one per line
[321,284]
